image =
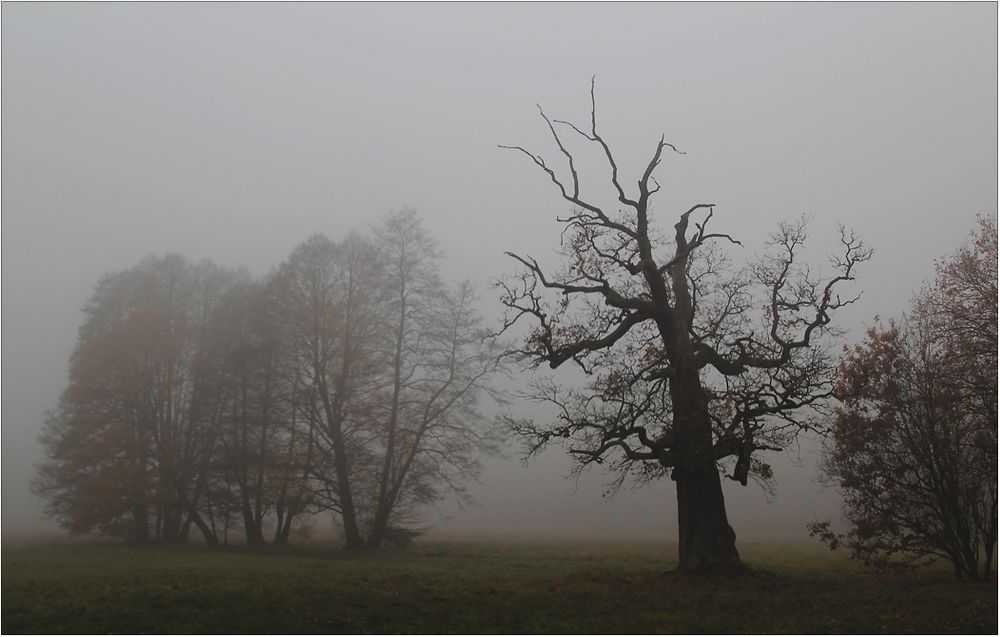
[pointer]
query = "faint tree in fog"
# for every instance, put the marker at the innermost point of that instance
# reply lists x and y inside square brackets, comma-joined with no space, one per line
[333,304]
[914,447]
[694,366]
[260,443]
[347,381]
[429,432]
[392,365]
[98,474]
[135,432]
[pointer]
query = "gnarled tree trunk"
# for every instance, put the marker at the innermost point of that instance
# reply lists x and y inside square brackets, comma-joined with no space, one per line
[707,542]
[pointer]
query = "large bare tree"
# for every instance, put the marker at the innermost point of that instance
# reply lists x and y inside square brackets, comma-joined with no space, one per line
[693,365]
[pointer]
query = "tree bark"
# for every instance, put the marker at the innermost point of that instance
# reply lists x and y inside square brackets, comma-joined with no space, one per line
[140,516]
[283,530]
[707,542]
[251,527]
[206,531]
[334,419]
[348,515]
[378,530]
[171,524]
[279,522]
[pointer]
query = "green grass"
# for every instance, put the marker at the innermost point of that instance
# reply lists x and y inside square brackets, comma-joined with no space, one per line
[454,587]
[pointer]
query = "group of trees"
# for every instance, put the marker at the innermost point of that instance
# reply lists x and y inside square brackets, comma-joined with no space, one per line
[914,442]
[346,381]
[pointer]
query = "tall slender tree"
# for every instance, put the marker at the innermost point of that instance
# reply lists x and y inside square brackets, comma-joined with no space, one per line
[438,366]
[334,301]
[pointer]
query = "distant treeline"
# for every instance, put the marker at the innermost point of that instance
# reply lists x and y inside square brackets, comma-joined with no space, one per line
[205,401]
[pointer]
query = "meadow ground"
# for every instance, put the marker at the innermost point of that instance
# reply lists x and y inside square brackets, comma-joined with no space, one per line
[465,587]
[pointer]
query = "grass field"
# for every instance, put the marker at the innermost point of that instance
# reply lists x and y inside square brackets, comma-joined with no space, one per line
[460,587]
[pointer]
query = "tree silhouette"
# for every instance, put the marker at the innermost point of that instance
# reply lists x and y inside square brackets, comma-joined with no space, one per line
[692,364]
[914,446]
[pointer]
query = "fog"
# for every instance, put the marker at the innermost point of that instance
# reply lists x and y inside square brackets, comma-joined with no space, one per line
[234,131]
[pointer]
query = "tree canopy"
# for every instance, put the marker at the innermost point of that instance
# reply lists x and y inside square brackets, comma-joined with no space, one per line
[694,364]
[914,443]
[347,381]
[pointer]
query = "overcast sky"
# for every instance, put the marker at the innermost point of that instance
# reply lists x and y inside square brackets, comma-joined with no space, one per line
[233,131]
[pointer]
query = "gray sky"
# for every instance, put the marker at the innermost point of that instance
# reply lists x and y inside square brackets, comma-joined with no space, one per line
[233,131]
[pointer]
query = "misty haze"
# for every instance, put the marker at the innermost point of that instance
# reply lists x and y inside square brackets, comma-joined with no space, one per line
[464,314]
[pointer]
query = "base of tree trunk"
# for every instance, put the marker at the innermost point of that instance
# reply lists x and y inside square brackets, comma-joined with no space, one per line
[713,555]
[707,542]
